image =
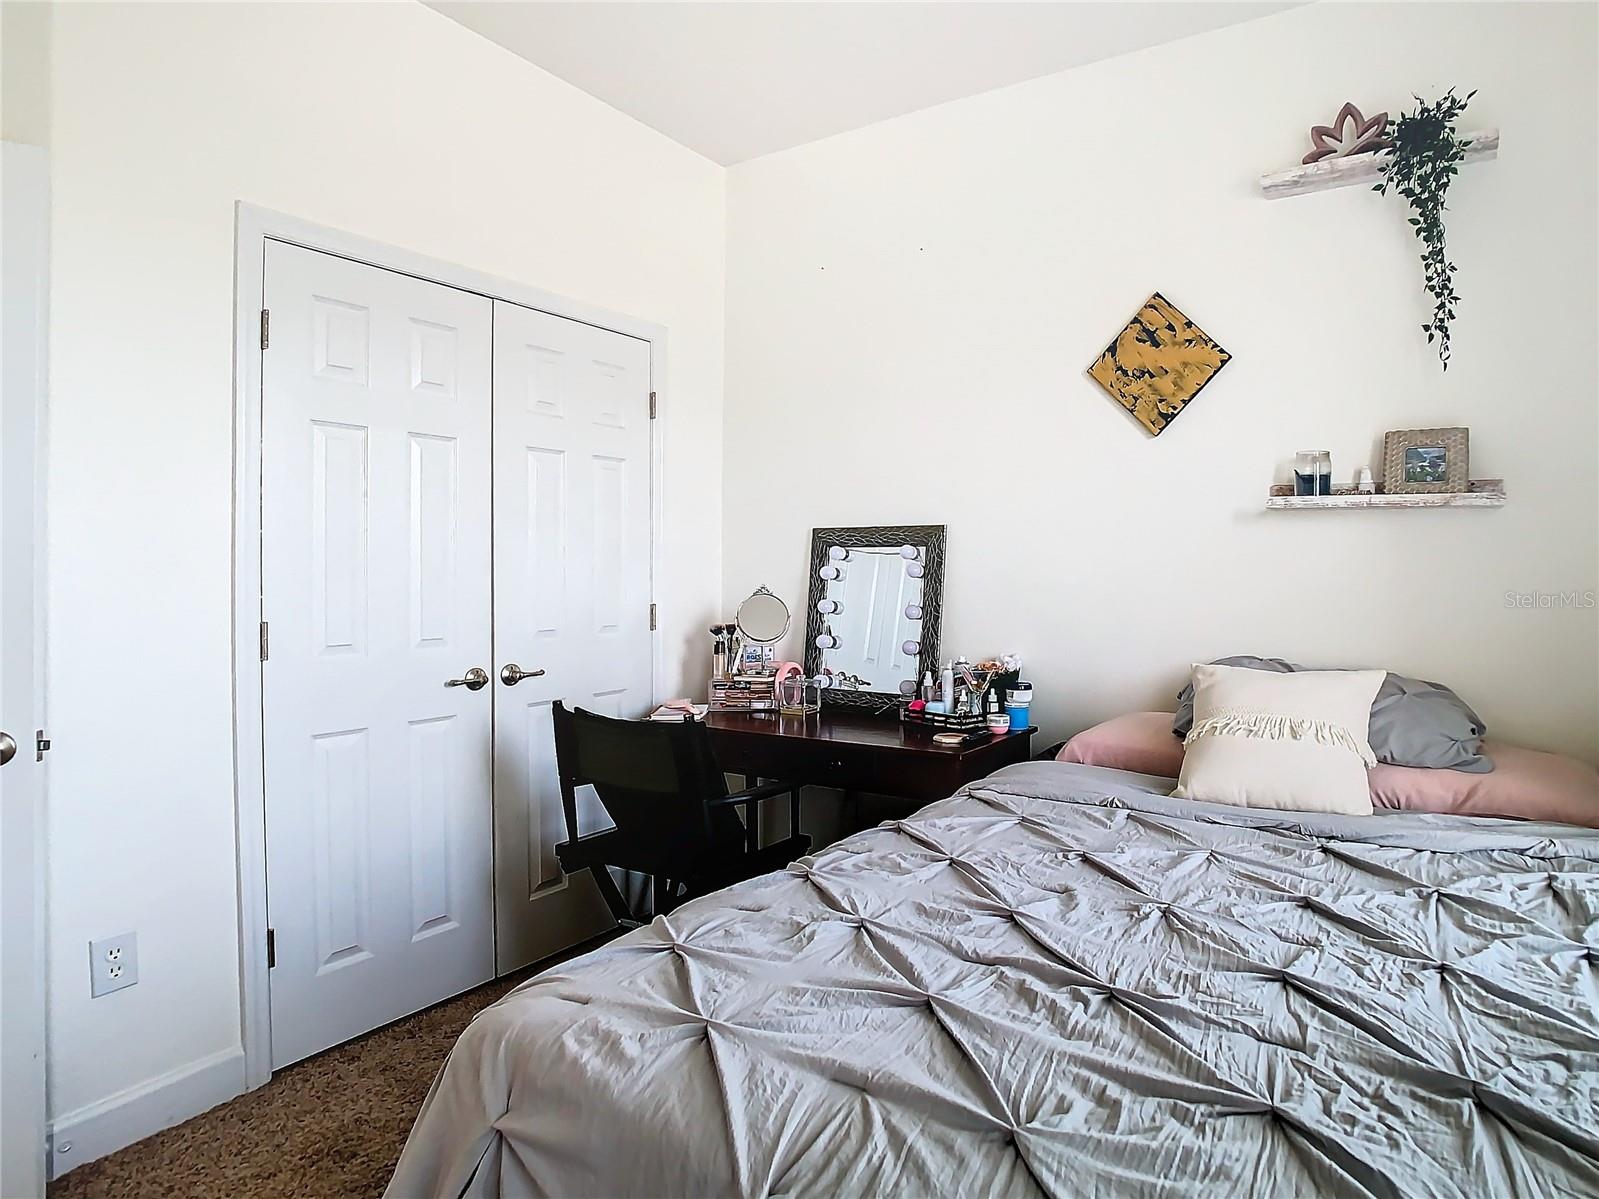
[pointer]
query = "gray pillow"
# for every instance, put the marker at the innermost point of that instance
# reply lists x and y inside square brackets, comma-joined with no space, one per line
[1417,723]
[1413,722]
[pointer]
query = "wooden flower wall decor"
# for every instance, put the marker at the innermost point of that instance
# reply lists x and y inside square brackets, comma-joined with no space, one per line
[1158,363]
[1350,133]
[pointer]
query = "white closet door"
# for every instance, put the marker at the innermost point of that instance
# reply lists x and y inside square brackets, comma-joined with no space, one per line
[571,595]
[376,587]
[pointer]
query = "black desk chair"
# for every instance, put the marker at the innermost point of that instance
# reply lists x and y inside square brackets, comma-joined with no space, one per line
[660,783]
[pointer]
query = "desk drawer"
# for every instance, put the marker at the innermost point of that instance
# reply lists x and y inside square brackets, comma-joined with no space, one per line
[848,767]
[861,758]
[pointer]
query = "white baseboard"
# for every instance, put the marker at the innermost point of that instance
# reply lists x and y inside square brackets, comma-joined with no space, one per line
[130,1115]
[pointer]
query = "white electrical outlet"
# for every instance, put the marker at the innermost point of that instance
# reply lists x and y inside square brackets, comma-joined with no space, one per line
[113,964]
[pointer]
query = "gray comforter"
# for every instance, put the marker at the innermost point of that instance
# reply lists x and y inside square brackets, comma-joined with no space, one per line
[1060,981]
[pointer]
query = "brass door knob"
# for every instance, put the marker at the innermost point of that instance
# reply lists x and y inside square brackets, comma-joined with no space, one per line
[512,674]
[473,680]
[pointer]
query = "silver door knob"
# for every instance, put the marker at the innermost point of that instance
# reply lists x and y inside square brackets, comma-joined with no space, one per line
[8,748]
[512,674]
[473,680]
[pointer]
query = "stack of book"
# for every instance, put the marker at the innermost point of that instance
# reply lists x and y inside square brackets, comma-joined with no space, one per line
[744,693]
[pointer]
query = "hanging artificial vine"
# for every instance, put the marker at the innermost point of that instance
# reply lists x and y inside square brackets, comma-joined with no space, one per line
[1425,158]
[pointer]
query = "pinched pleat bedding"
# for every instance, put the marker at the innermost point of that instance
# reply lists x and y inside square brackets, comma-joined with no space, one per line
[1061,982]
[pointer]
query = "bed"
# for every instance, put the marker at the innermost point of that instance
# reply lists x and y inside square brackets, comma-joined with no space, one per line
[1059,981]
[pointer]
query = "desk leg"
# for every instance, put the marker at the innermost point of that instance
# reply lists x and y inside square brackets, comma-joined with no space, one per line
[752,831]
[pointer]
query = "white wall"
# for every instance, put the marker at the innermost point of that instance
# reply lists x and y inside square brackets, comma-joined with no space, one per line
[912,306]
[390,121]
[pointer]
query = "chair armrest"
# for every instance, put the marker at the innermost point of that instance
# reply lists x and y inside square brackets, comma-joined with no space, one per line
[750,794]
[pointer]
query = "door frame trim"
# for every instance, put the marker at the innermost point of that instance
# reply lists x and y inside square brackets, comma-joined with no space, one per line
[253,228]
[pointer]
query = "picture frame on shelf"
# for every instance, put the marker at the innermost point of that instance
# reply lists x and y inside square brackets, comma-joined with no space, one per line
[1426,461]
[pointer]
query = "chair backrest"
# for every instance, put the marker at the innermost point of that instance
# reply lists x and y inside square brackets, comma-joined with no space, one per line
[652,776]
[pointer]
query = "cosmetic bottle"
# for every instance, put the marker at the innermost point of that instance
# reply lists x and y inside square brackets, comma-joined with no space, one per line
[946,688]
[929,691]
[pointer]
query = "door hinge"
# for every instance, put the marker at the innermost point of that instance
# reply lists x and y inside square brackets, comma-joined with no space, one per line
[41,746]
[266,328]
[264,646]
[652,405]
[272,948]
[652,618]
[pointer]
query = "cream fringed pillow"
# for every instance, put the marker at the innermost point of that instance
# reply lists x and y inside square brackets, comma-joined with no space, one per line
[1287,741]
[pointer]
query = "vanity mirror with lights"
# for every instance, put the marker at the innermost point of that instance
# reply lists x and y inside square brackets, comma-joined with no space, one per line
[872,624]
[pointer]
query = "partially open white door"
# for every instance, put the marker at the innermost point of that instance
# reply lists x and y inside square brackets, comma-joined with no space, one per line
[571,595]
[24,206]
[376,594]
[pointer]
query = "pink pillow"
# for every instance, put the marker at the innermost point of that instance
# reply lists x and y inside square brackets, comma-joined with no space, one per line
[1524,784]
[1139,741]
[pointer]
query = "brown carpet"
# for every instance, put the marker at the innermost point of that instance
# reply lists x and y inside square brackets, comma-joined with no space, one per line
[331,1126]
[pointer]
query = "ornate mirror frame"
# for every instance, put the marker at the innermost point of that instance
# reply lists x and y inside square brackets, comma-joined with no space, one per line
[932,603]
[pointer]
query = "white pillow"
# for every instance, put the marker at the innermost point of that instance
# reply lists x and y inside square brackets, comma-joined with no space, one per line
[1287,741]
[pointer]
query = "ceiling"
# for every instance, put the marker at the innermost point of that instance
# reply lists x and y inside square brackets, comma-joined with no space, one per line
[738,80]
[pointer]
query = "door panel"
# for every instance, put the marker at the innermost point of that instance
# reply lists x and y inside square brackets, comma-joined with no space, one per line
[376,542]
[434,520]
[24,250]
[571,595]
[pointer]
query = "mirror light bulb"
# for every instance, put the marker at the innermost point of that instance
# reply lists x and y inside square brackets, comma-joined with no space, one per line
[911,648]
[909,551]
[914,569]
[831,572]
[913,611]
[829,605]
[826,641]
[907,686]
[838,553]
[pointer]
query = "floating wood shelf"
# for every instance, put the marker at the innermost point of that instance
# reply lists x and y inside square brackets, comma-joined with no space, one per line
[1483,493]
[1359,168]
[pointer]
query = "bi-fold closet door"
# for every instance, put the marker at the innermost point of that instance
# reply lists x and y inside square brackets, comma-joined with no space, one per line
[571,594]
[455,533]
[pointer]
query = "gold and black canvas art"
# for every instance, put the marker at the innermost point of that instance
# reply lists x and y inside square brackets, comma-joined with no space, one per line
[1158,363]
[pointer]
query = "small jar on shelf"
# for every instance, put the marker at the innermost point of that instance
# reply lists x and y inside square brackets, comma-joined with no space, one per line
[1312,472]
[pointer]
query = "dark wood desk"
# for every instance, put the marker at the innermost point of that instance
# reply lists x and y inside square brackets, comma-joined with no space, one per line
[856,753]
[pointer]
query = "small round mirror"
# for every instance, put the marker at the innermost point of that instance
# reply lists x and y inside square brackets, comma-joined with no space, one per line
[763,618]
